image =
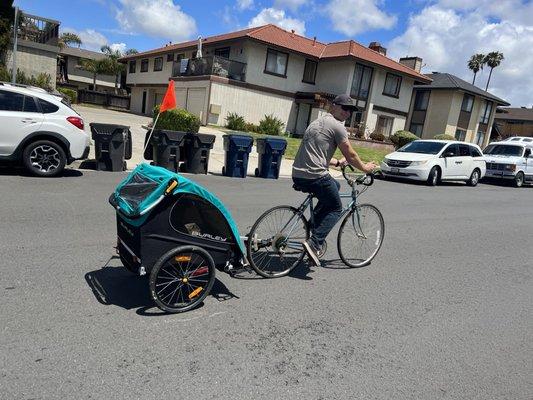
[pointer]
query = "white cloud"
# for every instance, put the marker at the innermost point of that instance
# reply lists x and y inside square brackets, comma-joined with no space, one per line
[121,47]
[446,37]
[245,4]
[355,16]
[290,4]
[90,39]
[157,18]
[278,17]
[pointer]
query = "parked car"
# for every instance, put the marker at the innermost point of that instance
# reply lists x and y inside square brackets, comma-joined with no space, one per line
[436,160]
[39,130]
[510,160]
[524,139]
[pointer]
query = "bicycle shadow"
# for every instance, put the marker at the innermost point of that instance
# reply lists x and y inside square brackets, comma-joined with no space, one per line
[115,285]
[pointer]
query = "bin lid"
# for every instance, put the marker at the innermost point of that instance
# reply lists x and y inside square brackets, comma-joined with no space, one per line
[144,187]
[98,129]
[171,136]
[273,143]
[203,138]
[239,140]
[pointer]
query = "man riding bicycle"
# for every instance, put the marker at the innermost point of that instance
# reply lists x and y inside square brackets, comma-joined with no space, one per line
[310,171]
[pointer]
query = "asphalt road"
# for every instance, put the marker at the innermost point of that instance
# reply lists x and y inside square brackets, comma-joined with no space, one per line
[444,311]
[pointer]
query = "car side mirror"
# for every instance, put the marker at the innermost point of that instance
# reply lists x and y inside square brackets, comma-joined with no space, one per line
[448,154]
[527,153]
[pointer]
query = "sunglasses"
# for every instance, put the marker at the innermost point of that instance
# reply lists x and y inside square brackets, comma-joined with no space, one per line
[347,108]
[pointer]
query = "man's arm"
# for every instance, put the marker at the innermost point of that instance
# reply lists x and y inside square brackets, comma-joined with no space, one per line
[353,159]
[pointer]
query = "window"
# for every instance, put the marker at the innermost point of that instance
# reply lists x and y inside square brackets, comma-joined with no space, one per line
[485,112]
[144,65]
[10,101]
[192,215]
[421,100]
[480,138]
[29,104]
[158,64]
[384,125]
[180,57]
[460,134]
[223,52]
[133,64]
[416,129]
[475,152]
[452,150]
[310,71]
[392,85]
[464,150]
[46,107]
[468,102]
[362,77]
[276,63]
[170,57]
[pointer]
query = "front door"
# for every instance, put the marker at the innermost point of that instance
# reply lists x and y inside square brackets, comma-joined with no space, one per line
[143,106]
[452,164]
[302,120]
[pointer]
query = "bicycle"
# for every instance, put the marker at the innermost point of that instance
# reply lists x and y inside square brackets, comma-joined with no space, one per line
[274,244]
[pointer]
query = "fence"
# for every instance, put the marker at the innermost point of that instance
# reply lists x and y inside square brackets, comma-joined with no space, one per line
[103,99]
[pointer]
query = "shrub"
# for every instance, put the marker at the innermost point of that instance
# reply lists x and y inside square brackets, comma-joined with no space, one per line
[271,125]
[249,127]
[443,136]
[177,120]
[71,94]
[236,122]
[5,75]
[380,137]
[401,138]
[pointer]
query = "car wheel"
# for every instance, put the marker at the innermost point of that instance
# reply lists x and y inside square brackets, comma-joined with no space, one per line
[519,179]
[433,177]
[44,158]
[474,178]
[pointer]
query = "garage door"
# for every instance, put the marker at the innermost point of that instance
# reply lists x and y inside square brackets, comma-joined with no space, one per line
[181,98]
[196,102]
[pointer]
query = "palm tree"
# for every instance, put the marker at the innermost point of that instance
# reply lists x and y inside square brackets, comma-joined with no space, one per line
[67,39]
[114,66]
[493,59]
[96,67]
[475,64]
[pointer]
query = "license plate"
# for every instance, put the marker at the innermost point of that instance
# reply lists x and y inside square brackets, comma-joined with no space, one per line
[395,170]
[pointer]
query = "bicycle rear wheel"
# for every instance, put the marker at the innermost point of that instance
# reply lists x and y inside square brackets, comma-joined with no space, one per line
[274,244]
[360,236]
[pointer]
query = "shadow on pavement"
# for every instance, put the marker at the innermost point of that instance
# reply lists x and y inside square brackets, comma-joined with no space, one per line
[115,285]
[15,170]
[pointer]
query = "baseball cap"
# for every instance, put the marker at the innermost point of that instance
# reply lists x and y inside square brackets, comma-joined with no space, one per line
[345,101]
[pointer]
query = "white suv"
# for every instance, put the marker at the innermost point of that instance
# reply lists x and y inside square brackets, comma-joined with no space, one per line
[436,160]
[510,160]
[39,130]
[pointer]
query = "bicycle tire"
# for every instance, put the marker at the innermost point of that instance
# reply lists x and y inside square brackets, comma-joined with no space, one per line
[348,228]
[190,282]
[275,249]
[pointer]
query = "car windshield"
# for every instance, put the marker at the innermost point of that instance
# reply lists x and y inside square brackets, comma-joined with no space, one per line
[503,150]
[421,147]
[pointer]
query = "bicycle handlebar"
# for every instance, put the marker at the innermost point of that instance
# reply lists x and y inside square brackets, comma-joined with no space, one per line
[366,179]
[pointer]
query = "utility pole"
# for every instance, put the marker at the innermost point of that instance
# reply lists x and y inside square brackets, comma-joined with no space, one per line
[15,36]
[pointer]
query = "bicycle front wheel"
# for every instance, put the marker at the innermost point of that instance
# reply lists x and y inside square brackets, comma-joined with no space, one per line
[360,236]
[274,244]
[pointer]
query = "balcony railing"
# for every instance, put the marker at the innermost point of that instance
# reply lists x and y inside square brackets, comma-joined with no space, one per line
[212,65]
[38,29]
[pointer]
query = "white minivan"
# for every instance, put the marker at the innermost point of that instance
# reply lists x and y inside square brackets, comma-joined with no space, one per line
[511,160]
[436,160]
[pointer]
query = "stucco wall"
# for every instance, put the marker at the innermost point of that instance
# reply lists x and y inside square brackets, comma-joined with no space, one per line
[76,74]
[33,60]
[378,98]
[437,113]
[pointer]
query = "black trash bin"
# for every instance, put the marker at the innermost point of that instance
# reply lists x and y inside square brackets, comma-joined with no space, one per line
[166,148]
[112,145]
[270,152]
[197,147]
[237,148]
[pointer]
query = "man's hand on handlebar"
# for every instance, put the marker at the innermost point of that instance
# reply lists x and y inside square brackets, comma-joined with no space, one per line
[368,167]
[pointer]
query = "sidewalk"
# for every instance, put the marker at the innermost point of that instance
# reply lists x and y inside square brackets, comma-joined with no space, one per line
[136,123]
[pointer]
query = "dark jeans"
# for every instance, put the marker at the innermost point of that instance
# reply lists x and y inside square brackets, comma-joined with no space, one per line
[328,209]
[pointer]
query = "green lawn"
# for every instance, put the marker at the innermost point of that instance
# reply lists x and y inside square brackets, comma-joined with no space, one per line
[366,154]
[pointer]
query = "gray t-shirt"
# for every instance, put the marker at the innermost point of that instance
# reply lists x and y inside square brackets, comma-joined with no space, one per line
[319,143]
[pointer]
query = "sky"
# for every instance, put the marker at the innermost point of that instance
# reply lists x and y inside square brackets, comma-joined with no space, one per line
[444,33]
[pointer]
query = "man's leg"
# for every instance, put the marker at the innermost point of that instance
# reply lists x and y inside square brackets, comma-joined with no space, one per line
[328,210]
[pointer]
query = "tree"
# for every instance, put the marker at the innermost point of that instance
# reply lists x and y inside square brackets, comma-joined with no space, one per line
[68,38]
[475,64]
[7,17]
[96,67]
[114,66]
[493,59]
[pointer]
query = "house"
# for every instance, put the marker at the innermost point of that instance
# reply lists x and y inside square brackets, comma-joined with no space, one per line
[37,47]
[513,122]
[70,74]
[452,106]
[268,70]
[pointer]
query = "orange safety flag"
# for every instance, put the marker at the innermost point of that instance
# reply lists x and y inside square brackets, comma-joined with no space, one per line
[169,101]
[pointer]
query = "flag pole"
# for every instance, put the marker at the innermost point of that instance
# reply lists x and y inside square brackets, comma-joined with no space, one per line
[151,132]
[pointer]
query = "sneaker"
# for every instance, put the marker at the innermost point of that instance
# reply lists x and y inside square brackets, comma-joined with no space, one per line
[311,253]
[320,252]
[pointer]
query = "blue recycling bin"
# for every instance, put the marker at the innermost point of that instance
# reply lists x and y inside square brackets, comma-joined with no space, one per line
[270,152]
[237,148]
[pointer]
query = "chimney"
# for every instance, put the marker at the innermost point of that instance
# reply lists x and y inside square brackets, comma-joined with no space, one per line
[292,32]
[412,62]
[314,40]
[376,46]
